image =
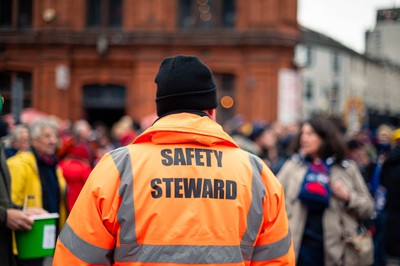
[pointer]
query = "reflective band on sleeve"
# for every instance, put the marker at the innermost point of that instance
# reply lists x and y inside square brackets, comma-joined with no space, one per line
[179,254]
[83,250]
[255,215]
[126,212]
[273,250]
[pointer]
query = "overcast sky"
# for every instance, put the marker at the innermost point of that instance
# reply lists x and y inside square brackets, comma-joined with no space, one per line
[343,20]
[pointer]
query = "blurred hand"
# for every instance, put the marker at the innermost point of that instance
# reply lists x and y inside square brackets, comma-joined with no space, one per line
[17,220]
[35,211]
[340,191]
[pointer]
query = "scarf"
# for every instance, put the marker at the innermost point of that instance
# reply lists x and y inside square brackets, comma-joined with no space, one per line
[315,190]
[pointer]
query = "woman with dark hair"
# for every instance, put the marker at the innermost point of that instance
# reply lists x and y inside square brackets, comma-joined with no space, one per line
[326,196]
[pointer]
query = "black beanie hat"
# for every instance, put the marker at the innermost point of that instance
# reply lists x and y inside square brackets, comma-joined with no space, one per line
[184,83]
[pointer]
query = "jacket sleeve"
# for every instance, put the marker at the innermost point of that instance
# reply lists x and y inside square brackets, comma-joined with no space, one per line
[18,180]
[284,173]
[88,237]
[3,216]
[360,201]
[274,245]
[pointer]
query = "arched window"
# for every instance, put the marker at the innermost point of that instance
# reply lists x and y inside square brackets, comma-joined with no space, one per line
[206,14]
[104,103]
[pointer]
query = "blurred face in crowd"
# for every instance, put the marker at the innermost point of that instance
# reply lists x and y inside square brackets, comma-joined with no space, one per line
[85,131]
[46,143]
[360,155]
[384,137]
[267,139]
[22,143]
[310,142]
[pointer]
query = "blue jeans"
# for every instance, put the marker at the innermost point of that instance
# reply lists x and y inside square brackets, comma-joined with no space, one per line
[379,239]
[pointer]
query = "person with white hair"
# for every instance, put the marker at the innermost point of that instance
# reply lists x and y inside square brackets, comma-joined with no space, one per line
[19,140]
[36,173]
[82,135]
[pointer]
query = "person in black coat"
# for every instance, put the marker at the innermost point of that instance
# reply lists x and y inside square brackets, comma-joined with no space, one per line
[391,181]
[11,218]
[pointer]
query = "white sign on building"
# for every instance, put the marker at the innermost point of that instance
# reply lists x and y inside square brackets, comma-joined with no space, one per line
[289,97]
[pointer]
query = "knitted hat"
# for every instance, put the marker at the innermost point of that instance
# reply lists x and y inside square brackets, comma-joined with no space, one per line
[184,83]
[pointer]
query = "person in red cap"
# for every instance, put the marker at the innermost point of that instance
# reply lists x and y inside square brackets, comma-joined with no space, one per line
[76,169]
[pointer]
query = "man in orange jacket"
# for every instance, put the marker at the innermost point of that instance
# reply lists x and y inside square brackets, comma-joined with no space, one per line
[183,193]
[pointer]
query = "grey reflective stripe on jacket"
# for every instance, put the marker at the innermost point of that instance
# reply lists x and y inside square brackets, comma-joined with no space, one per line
[84,250]
[273,250]
[131,251]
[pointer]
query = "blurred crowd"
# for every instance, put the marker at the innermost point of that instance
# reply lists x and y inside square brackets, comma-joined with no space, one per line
[79,145]
[316,145]
[76,147]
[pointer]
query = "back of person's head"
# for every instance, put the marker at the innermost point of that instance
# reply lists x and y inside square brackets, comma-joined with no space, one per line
[20,137]
[184,83]
[81,129]
[17,131]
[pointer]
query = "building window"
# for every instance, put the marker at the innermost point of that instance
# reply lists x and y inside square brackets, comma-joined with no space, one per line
[104,103]
[388,14]
[303,55]
[206,14]
[309,55]
[335,62]
[9,79]
[6,13]
[16,14]
[226,96]
[334,96]
[104,13]
[377,39]
[308,93]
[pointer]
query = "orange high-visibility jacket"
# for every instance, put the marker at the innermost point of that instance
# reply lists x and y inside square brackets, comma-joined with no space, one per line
[182,194]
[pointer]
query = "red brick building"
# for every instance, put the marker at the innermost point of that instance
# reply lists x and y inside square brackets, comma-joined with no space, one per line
[97,59]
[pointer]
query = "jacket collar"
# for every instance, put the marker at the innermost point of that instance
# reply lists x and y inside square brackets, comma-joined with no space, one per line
[303,159]
[186,128]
